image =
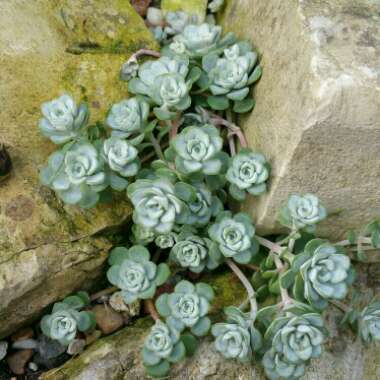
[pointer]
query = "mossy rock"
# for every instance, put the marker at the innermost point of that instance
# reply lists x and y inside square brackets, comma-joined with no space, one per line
[102,26]
[45,247]
[192,7]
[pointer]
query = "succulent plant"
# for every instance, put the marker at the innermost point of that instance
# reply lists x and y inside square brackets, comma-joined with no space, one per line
[166,240]
[164,82]
[233,338]
[204,206]
[76,175]
[326,273]
[132,271]
[177,21]
[248,172]
[302,212]
[129,70]
[141,235]
[121,156]
[191,251]
[198,149]
[187,306]
[156,205]
[161,347]
[62,120]
[66,319]
[199,40]
[369,323]
[277,367]
[233,237]
[215,5]
[295,339]
[232,74]
[129,117]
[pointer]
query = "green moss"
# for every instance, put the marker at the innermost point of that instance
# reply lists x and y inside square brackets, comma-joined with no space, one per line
[113,27]
[197,7]
[228,291]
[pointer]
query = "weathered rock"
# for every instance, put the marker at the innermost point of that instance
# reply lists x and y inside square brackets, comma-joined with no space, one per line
[317,114]
[45,249]
[23,334]
[118,356]
[193,7]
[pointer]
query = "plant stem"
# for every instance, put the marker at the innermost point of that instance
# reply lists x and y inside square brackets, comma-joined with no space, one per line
[175,124]
[157,147]
[244,280]
[286,300]
[251,266]
[361,239]
[270,245]
[152,310]
[143,52]
[340,305]
[104,292]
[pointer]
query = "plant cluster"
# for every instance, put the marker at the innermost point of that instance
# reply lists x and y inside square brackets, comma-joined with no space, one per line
[67,318]
[175,149]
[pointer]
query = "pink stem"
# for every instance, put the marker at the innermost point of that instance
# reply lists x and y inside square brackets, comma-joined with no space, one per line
[142,52]
[152,310]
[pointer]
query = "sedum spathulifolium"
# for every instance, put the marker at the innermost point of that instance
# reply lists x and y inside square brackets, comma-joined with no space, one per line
[173,150]
[135,274]
[62,119]
[67,318]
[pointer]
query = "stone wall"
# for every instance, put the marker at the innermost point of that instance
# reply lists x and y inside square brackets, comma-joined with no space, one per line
[46,48]
[317,114]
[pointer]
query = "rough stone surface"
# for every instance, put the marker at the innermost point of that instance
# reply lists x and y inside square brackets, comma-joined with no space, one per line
[45,249]
[193,7]
[317,114]
[118,356]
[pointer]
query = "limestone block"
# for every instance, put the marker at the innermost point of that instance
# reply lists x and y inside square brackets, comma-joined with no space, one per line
[45,250]
[317,115]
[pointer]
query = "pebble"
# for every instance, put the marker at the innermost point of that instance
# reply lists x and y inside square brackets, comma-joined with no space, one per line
[141,6]
[107,319]
[33,366]
[17,361]
[3,349]
[76,347]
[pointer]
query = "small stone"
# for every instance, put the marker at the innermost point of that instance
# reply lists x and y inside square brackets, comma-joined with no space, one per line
[107,319]
[49,348]
[141,6]
[76,347]
[18,361]
[33,366]
[3,349]
[23,334]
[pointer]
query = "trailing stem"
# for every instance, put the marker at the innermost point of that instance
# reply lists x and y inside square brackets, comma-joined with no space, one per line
[341,306]
[286,300]
[276,248]
[157,147]
[104,292]
[143,52]
[247,285]
[152,310]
